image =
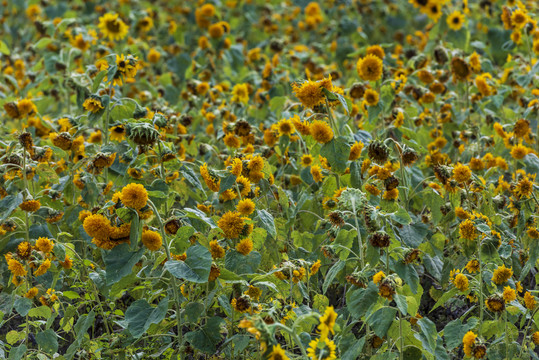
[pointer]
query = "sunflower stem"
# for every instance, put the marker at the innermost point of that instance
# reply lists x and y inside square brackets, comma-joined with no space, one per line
[172,278]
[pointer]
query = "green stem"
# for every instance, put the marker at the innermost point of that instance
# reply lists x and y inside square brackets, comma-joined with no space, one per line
[507,339]
[360,243]
[107,117]
[401,353]
[481,305]
[331,119]
[172,278]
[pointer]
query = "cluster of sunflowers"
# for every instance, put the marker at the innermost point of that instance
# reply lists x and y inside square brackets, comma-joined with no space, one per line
[256,179]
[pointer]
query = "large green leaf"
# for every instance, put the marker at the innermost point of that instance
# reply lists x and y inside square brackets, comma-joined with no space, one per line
[140,315]
[206,338]
[195,268]
[337,152]
[381,320]
[120,261]
[267,222]
[47,341]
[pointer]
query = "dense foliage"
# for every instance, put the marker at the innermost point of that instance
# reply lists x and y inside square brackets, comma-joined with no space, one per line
[250,179]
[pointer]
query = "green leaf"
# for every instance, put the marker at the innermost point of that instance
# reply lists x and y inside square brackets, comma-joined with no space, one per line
[140,315]
[97,80]
[81,327]
[336,152]
[14,336]
[41,44]
[10,203]
[428,334]
[446,296]
[207,338]
[42,311]
[267,222]
[3,48]
[381,320]
[45,172]
[120,261]
[195,268]
[16,353]
[359,300]
[455,330]
[242,264]
[354,352]
[23,305]
[402,217]
[47,341]
[123,112]
[335,269]
[227,183]
[402,304]
[193,311]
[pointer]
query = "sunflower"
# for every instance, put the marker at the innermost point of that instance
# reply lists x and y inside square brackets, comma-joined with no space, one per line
[321,131]
[467,230]
[43,268]
[371,97]
[24,250]
[246,207]
[97,226]
[509,294]
[455,20]
[519,19]
[45,245]
[93,104]
[327,322]
[134,196]
[322,350]
[117,133]
[524,188]
[245,246]
[112,26]
[529,301]
[460,69]
[30,205]
[307,160]
[472,266]
[216,250]
[519,151]
[370,68]
[152,240]
[309,93]
[316,173]
[285,127]
[16,268]
[277,353]
[495,303]
[461,282]
[468,341]
[462,173]
[501,275]
[232,224]
[211,180]
[240,93]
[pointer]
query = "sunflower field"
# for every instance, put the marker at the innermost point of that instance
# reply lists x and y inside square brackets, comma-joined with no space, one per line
[263,179]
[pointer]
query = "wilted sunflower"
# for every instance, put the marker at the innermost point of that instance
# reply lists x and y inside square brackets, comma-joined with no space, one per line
[460,69]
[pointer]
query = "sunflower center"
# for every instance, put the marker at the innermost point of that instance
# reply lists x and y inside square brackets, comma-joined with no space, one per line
[113,26]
